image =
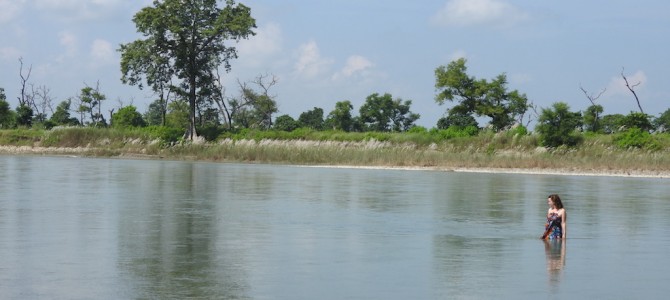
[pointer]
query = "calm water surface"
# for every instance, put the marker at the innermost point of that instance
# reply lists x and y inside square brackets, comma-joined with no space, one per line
[75,228]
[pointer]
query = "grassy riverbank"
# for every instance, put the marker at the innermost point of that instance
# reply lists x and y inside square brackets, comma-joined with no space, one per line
[489,151]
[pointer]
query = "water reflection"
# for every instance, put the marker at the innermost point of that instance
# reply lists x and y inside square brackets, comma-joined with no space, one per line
[169,238]
[555,252]
[115,229]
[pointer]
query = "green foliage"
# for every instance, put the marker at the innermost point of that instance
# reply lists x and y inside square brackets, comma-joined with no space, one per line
[75,137]
[210,132]
[662,123]
[455,132]
[128,117]
[479,97]
[167,135]
[456,119]
[155,114]
[340,118]
[592,122]
[286,123]
[611,123]
[558,126]
[7,118]
[637,120]
[253,110]
[518,130]
[62,115]
[186,40]
[312,119]
[48,124]
[636,138]
[418,129]
[382,114]
[24,116]
[20,137]
[90,101]
[178,115]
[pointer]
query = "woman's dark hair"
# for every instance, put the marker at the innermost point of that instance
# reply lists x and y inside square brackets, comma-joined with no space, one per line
[557,200]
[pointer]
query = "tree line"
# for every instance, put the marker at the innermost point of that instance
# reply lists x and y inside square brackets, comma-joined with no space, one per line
[185,44]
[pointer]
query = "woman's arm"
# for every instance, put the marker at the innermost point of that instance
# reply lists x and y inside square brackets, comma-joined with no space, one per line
[564,224]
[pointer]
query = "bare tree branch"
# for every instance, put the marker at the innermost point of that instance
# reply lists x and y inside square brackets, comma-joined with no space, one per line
[591,97]
[632,90]
[40,100]
[535,113]
[220,99]
[23,99]
[264,84]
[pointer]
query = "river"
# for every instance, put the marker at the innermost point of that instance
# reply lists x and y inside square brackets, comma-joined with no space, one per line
[81,228]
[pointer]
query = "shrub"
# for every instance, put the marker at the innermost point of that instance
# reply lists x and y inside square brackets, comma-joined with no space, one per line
[637,120]
[636,138]
[286,123]
[128,117]
[165,134]
[210,132]
[518,130]
[455,132]
[418,129]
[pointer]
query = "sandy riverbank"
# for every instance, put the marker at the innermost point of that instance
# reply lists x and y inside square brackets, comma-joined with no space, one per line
[83,151]
[607,173]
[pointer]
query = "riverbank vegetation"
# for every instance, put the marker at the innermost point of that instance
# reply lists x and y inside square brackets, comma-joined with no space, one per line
[440,149]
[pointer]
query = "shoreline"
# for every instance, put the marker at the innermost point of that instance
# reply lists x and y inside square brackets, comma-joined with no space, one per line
[520,171]
[87,152]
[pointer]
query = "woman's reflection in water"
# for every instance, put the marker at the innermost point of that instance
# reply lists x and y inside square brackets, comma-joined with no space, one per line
[555,252]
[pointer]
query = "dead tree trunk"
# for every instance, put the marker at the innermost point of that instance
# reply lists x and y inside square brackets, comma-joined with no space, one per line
[23,99]
[593,99]
[631,88]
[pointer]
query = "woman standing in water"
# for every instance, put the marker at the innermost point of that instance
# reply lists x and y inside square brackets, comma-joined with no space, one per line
[556,227]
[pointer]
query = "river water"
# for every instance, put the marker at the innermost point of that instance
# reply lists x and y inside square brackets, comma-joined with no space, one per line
[78,228]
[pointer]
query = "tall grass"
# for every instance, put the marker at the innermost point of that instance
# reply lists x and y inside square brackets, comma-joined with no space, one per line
[433,148]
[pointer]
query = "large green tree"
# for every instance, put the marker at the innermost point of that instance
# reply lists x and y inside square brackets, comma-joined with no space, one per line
[592,119]
[340,118]
[6,114]
[186,39]
[90,100]
[557,126]
[382,113]
[479,97]
[662,123]
[286,123]
[254,106]
[155,114]
[611,123]
[62,115]
[312,119]
[638,120]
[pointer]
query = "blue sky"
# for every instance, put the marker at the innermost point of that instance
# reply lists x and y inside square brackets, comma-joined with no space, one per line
[328,51]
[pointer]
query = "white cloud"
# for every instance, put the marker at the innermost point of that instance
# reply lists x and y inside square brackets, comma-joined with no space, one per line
[10,9]
[9,54]
[78,9]
[102,53]
[310,63]
[69,41]
[258,49]
[617,85]
[462,13]
[355,64]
